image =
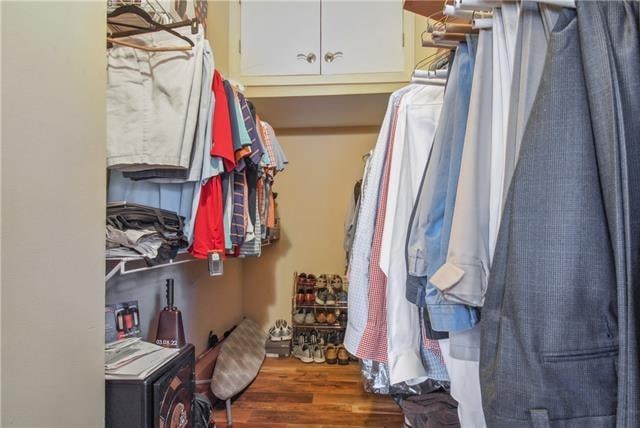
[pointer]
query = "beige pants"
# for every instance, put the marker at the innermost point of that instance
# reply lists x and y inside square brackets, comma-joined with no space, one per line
[152,102]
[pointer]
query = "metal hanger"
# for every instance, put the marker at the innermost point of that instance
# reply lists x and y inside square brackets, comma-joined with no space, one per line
[153,26]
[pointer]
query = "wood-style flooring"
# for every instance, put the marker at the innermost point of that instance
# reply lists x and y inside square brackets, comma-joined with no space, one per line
[289,393]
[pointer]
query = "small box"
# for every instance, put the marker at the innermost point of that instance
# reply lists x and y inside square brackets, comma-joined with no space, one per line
[121,321]
[284,344]
[278,349]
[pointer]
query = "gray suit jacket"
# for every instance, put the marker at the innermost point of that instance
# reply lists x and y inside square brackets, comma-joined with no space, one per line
[559,342]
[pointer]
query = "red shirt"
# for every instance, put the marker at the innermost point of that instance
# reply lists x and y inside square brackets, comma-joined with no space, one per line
[222,144]
[208,230]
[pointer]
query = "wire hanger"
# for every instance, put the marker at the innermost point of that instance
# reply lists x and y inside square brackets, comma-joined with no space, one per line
[153,26]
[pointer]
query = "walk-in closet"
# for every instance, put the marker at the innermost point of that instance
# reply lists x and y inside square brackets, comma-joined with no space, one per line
[320,213]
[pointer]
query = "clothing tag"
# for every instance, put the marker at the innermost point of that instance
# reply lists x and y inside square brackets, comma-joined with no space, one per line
[215,264]
[447,276]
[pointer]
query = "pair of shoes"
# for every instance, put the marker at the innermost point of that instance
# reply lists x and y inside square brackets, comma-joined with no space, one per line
[321,296]
[301,316]
[337,354]
[302,351]
[325,296]
[309,348]
[305,285]
[336,338]
[333,339]
[306,280]
[298,316]
[280,331]
[326,317]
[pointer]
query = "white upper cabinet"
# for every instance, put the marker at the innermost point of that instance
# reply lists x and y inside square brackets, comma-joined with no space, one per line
[320,47]
[362,37]
[280,37]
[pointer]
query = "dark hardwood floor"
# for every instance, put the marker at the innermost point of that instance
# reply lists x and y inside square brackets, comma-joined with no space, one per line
[289,393]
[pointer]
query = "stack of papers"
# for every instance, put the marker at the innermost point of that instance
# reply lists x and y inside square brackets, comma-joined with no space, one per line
[134,359]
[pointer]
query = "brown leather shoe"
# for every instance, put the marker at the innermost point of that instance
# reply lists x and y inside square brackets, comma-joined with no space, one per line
[321,317]
[331,354]
[343,356]
[331,318]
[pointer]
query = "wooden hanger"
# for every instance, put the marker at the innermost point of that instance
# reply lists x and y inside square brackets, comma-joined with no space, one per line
[460,28]
[451,37]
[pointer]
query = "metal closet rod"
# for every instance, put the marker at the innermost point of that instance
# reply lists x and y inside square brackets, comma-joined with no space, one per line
[462,6]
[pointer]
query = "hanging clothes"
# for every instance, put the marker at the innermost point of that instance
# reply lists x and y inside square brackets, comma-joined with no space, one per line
[418,117]
[363,237]
[560,304]
[217,119]
[137,87]
[430,223]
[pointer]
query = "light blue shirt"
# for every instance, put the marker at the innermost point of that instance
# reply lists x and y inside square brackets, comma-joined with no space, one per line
[430,227]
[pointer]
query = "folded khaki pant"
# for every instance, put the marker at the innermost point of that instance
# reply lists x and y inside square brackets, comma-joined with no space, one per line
[153,101]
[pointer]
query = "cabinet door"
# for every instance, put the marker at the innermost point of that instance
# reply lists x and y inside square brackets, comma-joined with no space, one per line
[280,37]
[362,37]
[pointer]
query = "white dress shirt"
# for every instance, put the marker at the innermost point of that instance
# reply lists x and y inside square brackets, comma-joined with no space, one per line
[418,116]
[358,300]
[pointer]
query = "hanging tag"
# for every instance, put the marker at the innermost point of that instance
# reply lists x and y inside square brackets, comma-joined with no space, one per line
[215,264]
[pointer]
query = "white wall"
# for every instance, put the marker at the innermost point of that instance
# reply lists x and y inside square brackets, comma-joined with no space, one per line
[53,193]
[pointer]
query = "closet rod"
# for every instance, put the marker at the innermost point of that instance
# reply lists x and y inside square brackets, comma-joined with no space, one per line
[476,4]
[482,23]
[571,4]
[439,44]
[450,10]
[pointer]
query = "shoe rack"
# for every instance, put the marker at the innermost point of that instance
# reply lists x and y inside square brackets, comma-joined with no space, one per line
[315,308]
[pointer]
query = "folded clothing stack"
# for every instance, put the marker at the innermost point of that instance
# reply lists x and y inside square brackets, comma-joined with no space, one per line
[135,230]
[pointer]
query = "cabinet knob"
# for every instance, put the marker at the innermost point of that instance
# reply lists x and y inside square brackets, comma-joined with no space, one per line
[310,57]
[330,56]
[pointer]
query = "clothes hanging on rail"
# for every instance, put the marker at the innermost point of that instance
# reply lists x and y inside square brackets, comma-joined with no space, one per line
[224,187]
[430,223]
[558,329]
[554,145]
[383,331]
[535,156]
[143,85]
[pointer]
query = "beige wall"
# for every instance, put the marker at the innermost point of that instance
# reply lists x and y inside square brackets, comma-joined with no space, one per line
[313,199]
[53,193]
[207,303]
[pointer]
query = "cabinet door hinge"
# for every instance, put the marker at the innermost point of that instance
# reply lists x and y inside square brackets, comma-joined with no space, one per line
[239,46]
[402,39]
